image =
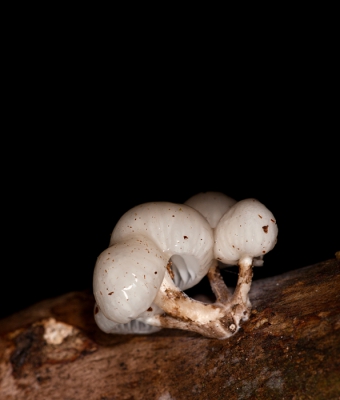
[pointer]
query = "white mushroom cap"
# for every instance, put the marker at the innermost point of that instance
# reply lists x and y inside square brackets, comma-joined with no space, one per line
[127,277]
[179,232]
[247,229]
[212,205]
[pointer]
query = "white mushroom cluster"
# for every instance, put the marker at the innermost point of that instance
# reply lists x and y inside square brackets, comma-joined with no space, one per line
[158,250]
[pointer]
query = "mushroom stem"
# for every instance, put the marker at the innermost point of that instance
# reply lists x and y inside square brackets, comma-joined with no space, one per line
[219,329]
[182,312]
[240,298]
[217,284]
[218,320]
[180,306]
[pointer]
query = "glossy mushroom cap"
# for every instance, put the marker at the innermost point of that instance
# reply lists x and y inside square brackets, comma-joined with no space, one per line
[178,231]
[127,277]
[247,229]
[212,205]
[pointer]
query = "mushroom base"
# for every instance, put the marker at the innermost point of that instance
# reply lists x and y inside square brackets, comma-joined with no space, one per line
[219,320]
[174,309]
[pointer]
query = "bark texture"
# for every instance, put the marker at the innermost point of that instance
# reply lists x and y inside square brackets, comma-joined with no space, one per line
[289,349]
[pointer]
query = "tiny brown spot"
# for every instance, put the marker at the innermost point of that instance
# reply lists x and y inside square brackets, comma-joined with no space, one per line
[110,293]
[173,215]
[96,310]
[273,220]
[155,272]
[260,215]
[185,237]
[149,309]
[169,269]
[263,252]
[265,229]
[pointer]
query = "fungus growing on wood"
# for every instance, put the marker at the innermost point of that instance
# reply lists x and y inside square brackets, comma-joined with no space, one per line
[242,237]
[158,250]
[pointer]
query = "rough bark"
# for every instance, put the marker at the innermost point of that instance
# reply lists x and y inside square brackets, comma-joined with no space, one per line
[289,349]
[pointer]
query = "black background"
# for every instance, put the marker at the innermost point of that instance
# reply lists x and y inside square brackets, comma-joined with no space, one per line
[67,198]
[83,147]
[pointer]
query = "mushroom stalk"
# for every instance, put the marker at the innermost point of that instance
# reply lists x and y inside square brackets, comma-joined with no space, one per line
[219,288]
[180,306]
[220,319]
[182,312]
[245,275]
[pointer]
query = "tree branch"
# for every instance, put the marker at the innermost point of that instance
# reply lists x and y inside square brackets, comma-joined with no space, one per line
[289,349]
